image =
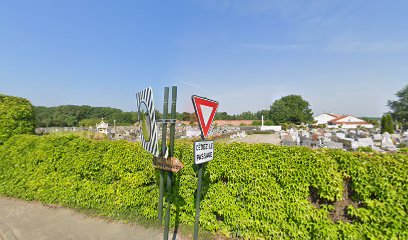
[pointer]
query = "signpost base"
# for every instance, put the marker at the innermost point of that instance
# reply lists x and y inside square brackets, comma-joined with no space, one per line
[161,193]
[168,207]
[197,216]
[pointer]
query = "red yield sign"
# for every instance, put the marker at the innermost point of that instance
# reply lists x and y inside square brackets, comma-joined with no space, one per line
[205,110]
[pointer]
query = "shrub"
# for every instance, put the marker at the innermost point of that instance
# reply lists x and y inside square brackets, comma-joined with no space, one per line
[16,117]
[256,123]
[402,145]
[387,124]
[250,191]
[268,123]
[365,149]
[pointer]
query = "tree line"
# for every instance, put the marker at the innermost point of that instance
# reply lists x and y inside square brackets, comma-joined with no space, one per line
[291,109]
[72,115]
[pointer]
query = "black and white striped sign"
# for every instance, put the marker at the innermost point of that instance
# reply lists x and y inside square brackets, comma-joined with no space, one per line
[146,97]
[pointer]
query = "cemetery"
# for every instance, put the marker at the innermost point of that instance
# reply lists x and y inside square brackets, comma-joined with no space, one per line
[344,139]
[312,137]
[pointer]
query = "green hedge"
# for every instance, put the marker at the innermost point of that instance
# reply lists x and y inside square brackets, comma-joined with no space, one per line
[250,191]
[16,117]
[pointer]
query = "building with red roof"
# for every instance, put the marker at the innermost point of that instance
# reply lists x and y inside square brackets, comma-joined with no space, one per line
[341,121]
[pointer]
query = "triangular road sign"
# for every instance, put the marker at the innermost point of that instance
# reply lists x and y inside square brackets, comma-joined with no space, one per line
[205,110]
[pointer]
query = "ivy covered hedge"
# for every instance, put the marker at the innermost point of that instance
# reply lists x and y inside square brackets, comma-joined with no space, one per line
[16,117]
[250,191]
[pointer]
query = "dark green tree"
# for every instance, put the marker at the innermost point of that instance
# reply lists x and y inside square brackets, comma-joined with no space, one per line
[72,115]
[291,109]
[246,116]
[187,116]
[159,115]
[16,117]
[223,116]
[387,124]
[89,122]
[399,107]
[390,124]
[264,113]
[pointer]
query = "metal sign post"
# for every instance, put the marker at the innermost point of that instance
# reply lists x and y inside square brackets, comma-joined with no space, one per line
[147,121]
[205,110]
[163,152]
[171,154]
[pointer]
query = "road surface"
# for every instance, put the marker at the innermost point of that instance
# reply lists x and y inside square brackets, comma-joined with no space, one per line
[31,220]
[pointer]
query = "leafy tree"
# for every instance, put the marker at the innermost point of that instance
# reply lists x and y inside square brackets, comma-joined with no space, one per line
[400,107]
[16,117]
[223,116]
[291,109]
[383,124]
[193,119]
[187,116]
[158,114]
[72,115]
[89,122]
[268,123]
[390,124]
[256,123]
[246,116]
[387,124]
[264,113]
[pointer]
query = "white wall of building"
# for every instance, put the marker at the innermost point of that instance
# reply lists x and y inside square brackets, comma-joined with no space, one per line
[351,119]
[274,128]
[323,118]
[349,126]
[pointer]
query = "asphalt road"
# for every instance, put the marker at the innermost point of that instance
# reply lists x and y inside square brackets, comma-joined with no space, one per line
[31,220]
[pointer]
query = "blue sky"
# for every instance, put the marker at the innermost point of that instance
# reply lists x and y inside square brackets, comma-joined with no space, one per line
[346,57]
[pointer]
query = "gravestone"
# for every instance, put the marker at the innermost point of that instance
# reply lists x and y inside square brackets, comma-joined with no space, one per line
[340,135]
[387,143]
[377,137]
[287,140]
[334,145]
[366,142]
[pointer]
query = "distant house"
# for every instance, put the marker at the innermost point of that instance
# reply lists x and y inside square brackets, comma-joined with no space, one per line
[324,118]
[339,121]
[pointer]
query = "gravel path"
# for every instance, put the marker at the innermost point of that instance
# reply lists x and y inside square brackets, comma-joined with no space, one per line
[32,220]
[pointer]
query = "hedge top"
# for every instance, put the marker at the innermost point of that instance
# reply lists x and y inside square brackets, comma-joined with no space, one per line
[16,117]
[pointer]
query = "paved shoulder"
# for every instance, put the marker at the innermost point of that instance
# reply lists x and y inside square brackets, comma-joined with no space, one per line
[31,220]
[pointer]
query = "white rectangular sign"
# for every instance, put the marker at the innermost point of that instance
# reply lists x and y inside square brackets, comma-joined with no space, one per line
[203,151]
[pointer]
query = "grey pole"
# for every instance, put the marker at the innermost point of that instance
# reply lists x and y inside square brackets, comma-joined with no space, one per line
[163,152]
[171,154]
[197,216]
